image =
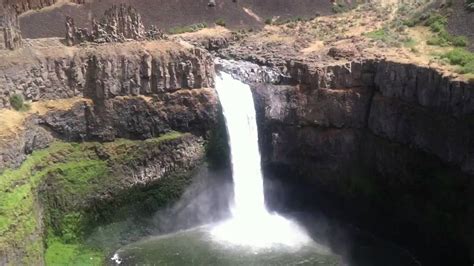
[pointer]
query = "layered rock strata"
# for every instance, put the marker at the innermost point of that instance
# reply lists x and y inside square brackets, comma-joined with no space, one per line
[373,133]
[141,91]
[10,35]
[104,72]
[382,137]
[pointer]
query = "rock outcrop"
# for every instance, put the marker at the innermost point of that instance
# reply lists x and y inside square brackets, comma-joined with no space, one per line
[140,91]
[371,133]
[10,28]
[127,167]
[119,24]
[104,72]
[136,117]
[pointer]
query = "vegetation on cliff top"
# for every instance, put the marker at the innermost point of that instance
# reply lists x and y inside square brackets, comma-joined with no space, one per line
[62,178]
[462,58]
[470,5]
[18,103]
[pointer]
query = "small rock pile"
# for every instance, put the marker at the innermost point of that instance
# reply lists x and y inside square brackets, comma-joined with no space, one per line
[119,24]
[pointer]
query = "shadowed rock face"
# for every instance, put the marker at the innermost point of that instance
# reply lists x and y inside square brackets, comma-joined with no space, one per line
[136,117]
[119,24]
[380,137]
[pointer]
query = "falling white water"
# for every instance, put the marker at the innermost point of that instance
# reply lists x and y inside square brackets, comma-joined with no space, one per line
[251,223]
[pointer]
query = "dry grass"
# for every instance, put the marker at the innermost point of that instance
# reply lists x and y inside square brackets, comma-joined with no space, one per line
[12,122]
[206,32]
[315,46]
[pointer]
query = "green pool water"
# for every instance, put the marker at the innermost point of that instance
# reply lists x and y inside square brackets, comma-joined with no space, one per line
[196,247]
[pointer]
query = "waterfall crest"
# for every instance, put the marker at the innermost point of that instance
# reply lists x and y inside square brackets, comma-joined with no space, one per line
[251,223]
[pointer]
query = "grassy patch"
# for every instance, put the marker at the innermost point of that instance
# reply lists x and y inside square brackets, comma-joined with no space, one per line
[59,253]
[409,43]
[437,24]
[189,28]
[462,58]
[292,20]
[63,178]
[385,35]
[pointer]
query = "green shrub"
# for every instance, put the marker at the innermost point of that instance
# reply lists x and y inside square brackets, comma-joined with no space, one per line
[470,5]
[437,24]
[436,18]
[409,42]
[384,35]
[459,41]
[380,34]
[467,68]
[410,22]
[462,58]
[189,28]
[456,57]
[18,103]
[220,22]
[268,21]
[436,40]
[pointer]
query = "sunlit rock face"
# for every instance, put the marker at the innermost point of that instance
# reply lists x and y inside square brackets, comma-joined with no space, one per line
[100,73]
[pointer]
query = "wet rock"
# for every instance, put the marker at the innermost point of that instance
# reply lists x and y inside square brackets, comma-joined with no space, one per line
[136,118]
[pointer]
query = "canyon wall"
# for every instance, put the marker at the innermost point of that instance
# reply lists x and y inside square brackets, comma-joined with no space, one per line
[113,172]
[106,71]
[134,98]
[10,35]
[381,137]
[134,90]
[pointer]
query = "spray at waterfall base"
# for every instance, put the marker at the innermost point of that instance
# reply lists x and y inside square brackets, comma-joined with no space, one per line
[251,223]
[252,235]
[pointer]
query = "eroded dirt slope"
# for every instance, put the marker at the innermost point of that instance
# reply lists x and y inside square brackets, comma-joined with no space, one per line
[165,14]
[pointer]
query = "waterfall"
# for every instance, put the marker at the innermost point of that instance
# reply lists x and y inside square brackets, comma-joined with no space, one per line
[251,223]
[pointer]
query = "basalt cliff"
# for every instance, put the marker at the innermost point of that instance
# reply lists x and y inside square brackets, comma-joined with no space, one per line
[379,134]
